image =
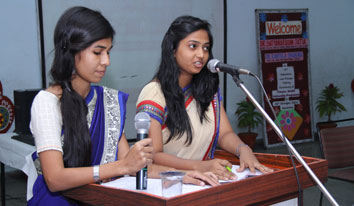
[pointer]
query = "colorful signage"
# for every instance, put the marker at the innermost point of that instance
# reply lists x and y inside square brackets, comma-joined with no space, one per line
[282,39]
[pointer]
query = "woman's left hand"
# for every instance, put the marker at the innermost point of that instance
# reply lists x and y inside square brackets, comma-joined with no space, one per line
[191,177]
[198,178]
[249,160]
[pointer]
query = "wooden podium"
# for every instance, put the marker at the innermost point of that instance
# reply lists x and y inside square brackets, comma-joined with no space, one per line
[266,189]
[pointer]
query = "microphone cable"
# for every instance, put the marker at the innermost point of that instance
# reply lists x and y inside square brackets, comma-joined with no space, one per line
[300,201]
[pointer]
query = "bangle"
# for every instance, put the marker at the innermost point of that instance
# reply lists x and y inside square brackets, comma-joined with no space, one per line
[96,173]
[238,149]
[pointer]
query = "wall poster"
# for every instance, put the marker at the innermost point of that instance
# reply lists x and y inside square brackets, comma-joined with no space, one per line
[282,41]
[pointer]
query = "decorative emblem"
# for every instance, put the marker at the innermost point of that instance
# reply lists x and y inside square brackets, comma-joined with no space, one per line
[7,112]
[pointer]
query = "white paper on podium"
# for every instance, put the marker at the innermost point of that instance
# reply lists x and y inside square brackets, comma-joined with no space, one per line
[154,185]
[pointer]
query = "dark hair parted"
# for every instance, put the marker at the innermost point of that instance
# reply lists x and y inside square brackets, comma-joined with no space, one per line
[76,30]
[204,84]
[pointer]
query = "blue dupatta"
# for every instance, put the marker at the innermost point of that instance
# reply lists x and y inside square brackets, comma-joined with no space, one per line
[99,136]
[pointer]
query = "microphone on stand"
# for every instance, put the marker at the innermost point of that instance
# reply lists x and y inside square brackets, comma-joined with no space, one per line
[215,65]
[142,125]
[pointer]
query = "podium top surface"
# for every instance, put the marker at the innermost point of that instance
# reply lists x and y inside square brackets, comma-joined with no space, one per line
[266,189]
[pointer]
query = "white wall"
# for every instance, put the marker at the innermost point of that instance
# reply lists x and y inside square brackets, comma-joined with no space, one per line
[331,36]
[19,59]
[140,26]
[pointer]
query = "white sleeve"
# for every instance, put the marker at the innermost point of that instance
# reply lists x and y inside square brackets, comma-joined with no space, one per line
[46,122]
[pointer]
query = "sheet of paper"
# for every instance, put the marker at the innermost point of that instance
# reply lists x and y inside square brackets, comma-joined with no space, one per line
[155,188]
[154,185]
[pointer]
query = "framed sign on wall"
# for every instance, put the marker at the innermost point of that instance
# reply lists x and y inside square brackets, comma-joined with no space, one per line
[282,41]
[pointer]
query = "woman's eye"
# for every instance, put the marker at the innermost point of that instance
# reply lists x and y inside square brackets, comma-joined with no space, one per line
[206,48]
[97,53]
[192,46]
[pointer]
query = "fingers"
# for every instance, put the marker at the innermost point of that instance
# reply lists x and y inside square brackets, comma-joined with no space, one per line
[197,178]
[147,154]
[248,159]
[224,174]
[263,168]
[145,146]
[252,168]
[147,149]
[242,167]
[208,178]
[218,167]
[211,178]
[144,142]
[141,154]
[191,180]
[224,163]
[267,169]
[148,159]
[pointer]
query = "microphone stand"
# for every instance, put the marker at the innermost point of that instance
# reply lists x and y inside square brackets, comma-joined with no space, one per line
[239,83]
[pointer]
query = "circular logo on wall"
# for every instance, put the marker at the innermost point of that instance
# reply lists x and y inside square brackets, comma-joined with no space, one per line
[7,114]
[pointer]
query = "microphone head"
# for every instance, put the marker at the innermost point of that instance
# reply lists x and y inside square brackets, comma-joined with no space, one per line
[212,65]
[142,122]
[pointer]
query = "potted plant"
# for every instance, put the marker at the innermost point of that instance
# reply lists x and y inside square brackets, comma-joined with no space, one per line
[248,118]
[327,105]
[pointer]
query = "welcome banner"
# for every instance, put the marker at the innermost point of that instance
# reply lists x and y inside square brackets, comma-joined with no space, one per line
[282,41]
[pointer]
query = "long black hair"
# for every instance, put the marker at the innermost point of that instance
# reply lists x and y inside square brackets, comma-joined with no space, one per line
[204,84]
[75,31]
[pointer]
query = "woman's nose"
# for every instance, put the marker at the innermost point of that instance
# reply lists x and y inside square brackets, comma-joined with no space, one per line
[200,53]
[105,60]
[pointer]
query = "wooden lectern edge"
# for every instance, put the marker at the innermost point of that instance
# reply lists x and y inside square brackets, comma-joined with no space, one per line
[265,193]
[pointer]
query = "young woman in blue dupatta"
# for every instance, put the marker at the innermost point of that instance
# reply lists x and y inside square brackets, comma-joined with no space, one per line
[78,128]
[184,101]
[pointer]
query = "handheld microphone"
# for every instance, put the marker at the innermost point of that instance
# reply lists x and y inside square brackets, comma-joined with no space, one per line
[142,125]
[215,65]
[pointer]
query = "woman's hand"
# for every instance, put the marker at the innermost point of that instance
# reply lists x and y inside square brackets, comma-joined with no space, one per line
[218,167]
[139,156]
[154,170]
[191,176]
[198,178]
[248,159]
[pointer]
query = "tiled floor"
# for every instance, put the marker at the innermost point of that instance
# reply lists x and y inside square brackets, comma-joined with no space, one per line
[343,192]
[16,187]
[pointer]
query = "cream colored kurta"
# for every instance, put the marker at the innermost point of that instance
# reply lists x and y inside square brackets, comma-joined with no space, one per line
[152,100]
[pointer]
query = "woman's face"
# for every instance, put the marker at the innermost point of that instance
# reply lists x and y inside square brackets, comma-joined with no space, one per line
[91,63]
[193,52]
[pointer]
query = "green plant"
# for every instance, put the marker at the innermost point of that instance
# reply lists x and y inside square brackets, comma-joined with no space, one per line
[327,103]
[248,117]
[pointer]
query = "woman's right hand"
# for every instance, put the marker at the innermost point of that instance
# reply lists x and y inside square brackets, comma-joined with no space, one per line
[218,167]
[139,156]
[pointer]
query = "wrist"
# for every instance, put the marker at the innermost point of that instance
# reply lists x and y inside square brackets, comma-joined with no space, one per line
[197,165]
[123,167]
[96,173]
[238,149]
